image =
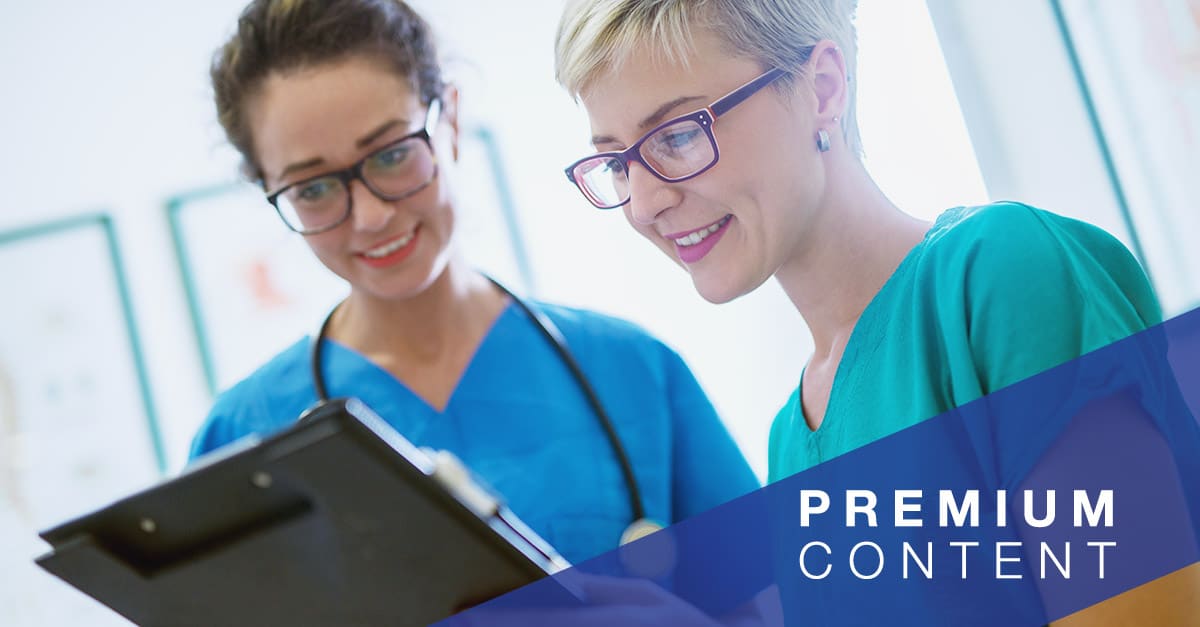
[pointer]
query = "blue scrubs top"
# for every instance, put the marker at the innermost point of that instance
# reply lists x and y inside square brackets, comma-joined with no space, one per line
[520,421]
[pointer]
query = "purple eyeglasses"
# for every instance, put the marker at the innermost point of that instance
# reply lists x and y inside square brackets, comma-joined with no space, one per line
[676,150]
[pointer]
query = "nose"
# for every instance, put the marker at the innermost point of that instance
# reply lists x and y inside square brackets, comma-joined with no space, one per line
[370,213]
[649,195]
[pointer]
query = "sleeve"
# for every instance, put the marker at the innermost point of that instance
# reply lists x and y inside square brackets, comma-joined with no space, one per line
[1042,290]
[708,468]
[1060,299]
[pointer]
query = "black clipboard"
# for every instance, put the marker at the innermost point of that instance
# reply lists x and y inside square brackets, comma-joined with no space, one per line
[337,520]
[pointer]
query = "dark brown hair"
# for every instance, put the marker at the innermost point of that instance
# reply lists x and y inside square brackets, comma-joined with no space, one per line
[283,35]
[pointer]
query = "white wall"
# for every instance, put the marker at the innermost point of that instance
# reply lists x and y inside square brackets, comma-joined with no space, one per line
[104,116]
[101,115]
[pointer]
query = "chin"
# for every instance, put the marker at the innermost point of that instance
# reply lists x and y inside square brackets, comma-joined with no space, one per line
[717,292]
[402,286]
[728,284]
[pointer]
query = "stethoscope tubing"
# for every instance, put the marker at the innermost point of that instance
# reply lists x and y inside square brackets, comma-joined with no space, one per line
[554,336]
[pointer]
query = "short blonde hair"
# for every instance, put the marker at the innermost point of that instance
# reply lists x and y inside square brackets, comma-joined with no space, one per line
[597,36]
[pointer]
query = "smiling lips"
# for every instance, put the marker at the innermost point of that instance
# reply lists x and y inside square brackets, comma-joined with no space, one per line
[692,246]
[391,252]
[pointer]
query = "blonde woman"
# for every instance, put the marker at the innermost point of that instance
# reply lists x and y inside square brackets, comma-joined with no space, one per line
[725,131]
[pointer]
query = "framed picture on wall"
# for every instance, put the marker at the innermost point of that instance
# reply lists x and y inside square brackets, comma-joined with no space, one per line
[254,287]
[78,426]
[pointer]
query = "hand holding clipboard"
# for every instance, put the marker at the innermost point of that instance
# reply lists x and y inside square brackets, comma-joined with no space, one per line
[336,520]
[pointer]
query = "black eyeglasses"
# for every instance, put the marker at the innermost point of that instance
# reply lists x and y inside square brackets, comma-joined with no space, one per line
[674,151]
[394,172]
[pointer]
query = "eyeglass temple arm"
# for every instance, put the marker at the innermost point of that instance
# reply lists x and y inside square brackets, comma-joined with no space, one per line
[722,106]
[432,115]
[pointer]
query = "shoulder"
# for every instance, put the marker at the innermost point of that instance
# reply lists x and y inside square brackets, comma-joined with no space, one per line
[615,342]
[265,401]
[593,324]
[1021,236]
[596,329]
[1027,289]
[1008,249]
[286,374]
[1002,232]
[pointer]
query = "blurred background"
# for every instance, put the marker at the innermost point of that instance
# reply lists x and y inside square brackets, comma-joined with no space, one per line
[140,277]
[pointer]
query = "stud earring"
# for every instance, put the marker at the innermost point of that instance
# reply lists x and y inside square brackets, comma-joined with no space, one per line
[822,140]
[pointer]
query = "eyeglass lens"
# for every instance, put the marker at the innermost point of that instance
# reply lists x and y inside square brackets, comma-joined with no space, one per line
[391,173]
[674,152]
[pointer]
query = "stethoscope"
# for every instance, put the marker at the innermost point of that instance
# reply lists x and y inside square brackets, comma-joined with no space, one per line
[641,525]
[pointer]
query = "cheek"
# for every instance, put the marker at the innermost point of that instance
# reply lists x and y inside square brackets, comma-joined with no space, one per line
[325,246]
[774,177]
[444,196]
[444,211]
[435,205]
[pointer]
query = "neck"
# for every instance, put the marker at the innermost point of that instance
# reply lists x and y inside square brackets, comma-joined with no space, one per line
[457,306]
[855,241]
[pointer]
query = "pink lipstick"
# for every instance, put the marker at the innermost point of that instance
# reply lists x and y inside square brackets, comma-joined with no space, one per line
[705,239]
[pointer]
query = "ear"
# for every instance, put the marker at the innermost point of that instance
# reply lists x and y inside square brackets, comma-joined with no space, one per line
[449,100]
[827,73]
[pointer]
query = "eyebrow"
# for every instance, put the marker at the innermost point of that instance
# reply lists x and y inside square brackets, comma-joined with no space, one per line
[362,142]
[366,140]
[650,120]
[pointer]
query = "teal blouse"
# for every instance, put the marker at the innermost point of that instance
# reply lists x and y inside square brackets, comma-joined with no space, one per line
[991,295]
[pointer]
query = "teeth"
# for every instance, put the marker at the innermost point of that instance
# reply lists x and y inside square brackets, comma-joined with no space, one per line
[387,249]
[695,237]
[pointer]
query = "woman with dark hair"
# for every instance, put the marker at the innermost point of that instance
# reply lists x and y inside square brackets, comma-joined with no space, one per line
[341,114]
